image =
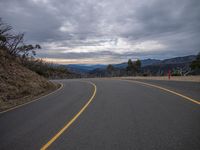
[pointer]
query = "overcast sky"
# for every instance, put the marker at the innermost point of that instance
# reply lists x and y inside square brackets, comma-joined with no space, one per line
[106,31]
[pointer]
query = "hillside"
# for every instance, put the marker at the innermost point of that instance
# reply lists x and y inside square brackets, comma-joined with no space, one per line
[177,65]
[177,60]
[19,84]
[180,65]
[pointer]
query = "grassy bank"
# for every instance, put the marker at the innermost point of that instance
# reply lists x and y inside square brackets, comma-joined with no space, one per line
[18,84]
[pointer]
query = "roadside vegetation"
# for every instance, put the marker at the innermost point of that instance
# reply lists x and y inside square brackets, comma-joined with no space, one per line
[178,66]
[49,70]
[20,71]
[133,68]
[25,54]
[195,65]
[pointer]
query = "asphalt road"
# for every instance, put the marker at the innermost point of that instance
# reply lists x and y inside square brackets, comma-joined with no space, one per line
[190,89]
[122,115]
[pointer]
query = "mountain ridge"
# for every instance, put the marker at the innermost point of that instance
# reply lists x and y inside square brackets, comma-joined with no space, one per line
[86,68]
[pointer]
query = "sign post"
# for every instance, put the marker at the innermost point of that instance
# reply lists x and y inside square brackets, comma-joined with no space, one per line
[169,74]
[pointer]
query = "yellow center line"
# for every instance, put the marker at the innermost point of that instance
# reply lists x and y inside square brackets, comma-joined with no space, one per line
[162,88]
[72,120]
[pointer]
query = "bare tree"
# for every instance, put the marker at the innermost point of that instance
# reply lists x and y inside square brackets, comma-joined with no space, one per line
[14,42]
[4,33]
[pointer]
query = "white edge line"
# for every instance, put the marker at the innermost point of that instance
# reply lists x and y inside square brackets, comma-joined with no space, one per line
[26,103]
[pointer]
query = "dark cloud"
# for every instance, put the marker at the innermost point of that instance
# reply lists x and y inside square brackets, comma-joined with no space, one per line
[114,29]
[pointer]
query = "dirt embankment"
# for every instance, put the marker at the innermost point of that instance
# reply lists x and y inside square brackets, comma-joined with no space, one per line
[18,84]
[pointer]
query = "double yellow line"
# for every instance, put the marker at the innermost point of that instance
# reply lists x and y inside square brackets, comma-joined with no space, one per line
[72,120]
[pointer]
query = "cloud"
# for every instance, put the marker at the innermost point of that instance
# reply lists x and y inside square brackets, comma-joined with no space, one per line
[86,29]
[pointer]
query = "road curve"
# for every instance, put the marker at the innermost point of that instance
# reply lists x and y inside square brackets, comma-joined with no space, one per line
[122,115]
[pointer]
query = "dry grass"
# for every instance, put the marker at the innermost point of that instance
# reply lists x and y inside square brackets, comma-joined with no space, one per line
[18,84]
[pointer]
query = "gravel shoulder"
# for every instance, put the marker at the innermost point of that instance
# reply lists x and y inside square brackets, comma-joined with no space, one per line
[165,78]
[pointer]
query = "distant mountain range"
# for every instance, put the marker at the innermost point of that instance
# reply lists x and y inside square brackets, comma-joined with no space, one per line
[146,64]
[81,68]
